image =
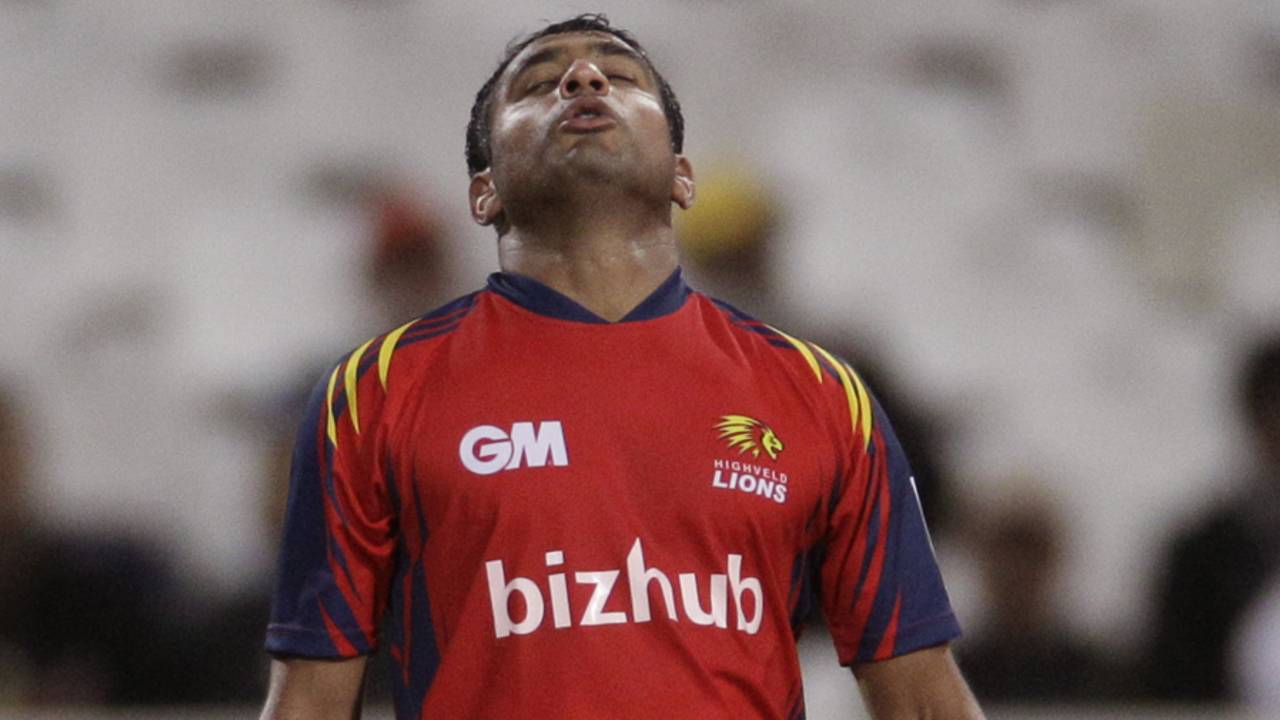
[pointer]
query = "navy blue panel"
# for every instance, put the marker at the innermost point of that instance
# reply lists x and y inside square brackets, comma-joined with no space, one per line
[871,520]
[417,649]
[926,617]
[425,658]
[537,297]
[305,586]
[666,299]
[297,627]
[910,569]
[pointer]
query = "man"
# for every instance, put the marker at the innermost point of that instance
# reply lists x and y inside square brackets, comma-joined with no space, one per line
[587,491]
[1219,565]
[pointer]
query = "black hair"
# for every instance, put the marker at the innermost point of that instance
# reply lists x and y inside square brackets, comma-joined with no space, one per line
[1260,381]
[478,153]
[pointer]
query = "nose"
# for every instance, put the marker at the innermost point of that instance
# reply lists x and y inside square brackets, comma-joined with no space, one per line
[583,77]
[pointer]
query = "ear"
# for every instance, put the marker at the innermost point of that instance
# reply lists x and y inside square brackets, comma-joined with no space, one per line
[683,188]
[486,206]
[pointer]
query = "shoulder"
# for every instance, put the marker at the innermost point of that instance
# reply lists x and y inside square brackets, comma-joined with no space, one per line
[366,378]
[804,365]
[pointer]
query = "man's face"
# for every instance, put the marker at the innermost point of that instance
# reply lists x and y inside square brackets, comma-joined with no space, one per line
[579,105]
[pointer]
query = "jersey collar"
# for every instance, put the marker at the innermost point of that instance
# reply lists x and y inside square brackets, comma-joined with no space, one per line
[536,297]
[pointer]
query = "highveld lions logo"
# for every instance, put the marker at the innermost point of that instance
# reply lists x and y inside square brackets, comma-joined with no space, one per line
[749,435]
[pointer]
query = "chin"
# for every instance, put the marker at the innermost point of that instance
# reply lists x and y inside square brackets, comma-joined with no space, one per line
[598,164]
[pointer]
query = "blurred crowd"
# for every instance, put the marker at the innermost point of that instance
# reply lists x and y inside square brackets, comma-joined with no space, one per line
[92,617]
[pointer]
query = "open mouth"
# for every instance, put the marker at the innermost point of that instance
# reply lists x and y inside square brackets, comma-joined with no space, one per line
[586,116]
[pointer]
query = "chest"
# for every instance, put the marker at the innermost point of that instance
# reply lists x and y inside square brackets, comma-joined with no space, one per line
[595,445]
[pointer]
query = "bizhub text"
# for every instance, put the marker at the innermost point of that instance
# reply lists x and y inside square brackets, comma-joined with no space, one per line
[637,582]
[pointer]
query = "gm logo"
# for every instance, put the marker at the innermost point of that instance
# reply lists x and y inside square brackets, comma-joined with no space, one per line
[486,449]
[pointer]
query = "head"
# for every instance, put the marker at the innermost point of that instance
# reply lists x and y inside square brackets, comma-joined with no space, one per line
[578,99]
[1260,397]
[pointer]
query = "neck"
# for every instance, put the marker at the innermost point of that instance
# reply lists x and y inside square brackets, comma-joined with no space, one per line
[609,265]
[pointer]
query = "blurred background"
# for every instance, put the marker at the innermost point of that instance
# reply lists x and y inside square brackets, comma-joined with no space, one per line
[1047,232]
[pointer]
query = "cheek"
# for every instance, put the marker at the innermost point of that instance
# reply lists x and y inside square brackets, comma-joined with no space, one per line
[514,126]
[648,114]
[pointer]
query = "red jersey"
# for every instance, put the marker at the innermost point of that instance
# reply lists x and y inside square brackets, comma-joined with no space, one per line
[547,515]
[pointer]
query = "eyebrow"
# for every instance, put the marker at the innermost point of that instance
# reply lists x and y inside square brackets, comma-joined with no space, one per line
[603,47]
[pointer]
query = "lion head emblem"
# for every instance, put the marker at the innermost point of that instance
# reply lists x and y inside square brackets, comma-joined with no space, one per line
[749,436]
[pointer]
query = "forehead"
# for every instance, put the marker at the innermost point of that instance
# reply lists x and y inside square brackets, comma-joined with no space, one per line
[570,45]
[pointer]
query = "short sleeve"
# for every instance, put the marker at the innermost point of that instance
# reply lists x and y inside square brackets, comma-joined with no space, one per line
[881,590]
[337,554]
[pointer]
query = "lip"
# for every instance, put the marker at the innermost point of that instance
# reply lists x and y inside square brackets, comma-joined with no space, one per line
[587,115]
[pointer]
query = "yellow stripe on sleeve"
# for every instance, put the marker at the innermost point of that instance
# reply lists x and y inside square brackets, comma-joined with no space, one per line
[804,350]
[332,427]
[864,403]
[859,407]
[350,380]
[388,347]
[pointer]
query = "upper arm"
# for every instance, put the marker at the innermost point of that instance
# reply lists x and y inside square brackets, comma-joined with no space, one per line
[337,554]
[882,592]
[315,689]
[921,684]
